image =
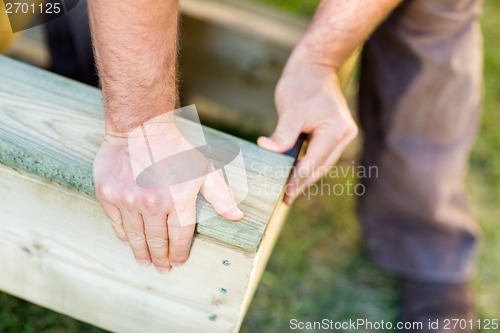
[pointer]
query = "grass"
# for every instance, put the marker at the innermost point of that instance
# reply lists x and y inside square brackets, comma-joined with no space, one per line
[319,268]
[484,177]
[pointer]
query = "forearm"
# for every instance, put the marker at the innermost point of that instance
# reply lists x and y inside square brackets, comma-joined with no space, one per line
[339,27]
[135,47]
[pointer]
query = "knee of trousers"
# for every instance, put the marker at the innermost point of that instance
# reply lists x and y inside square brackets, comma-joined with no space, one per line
[419,106]
[415,216]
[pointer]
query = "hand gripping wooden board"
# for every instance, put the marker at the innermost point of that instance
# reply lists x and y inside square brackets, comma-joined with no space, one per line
[58,250]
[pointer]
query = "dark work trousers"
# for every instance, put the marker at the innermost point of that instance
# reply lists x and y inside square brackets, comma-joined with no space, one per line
[419,106]
[70,45]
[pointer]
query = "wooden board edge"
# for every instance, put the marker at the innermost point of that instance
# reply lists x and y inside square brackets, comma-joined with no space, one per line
[263,254]
[57,263]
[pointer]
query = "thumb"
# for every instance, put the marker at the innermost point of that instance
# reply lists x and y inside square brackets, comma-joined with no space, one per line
[220,195]
[285,135]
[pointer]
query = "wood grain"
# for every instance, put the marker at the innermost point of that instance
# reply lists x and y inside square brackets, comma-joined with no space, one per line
[59,251]
[52,127]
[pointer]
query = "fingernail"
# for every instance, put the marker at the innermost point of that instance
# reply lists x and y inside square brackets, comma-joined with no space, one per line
[126,243]
[162,270]
[176,264]
[143,262]
[236,211]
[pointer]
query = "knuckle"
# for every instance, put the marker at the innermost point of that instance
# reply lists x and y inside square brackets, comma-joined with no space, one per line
[156,242]
[117,225]
[340,126]
[107,193]
[128,199]
[153,204]
[151,200]
[351,128]
[135,236]
[181,242]
[120,234]
[122,237]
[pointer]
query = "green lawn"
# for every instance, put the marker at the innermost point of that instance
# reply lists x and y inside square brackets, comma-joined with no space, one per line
[319,268]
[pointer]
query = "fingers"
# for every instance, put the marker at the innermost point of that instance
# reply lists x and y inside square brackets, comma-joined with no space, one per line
[181,235]
[309,166]
[219,194]
[115,218]
[105,198]
[133,225]
[145,225]
[139,219]
[285,135]
[155,227]
[157,224]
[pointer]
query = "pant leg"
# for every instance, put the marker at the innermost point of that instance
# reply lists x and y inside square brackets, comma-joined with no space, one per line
[419,105]
[70,45]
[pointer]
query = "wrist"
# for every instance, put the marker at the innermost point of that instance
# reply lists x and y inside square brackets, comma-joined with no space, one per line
[306,53]
[128,109]
[150,142]
[303,66]
[156,126]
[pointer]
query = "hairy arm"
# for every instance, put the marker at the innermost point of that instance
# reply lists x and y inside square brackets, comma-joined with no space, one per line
[339,27]
[308,96]
[135,46]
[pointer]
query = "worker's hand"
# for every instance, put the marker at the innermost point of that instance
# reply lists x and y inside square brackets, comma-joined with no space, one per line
[309,100]
[153,211]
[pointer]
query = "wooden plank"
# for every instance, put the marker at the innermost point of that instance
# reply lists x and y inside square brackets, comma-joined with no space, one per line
[230,76]
[262,257]
[255,20]
[52,127]
[232,56]
[233,53]
[58,250]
